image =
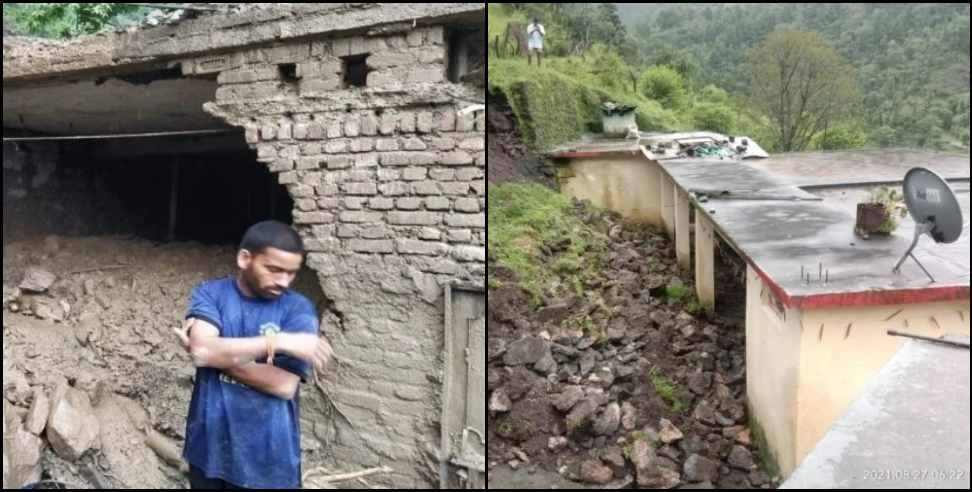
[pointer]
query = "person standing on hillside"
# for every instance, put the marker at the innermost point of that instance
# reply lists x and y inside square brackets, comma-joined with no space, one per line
[535,35]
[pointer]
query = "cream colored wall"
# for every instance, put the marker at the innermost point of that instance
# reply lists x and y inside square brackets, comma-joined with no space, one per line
[772,370]
[627,185]
[844,348]
[806,367]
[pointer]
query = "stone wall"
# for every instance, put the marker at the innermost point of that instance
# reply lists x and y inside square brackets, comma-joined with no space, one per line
[389,187]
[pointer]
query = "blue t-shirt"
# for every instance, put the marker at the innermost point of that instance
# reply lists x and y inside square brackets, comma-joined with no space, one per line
[235,433]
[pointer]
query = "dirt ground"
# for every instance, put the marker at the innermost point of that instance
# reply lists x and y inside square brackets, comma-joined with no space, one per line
[105,326]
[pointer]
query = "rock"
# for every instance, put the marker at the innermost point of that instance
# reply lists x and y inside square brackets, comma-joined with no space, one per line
[700,382]
[495,348]
[705,413]
[609,420]
[10,295]
[617,330]
[554,314]
[37,280]
[16,388]
[500,402]
[526,351]
[734,480]
[556,443]
[603,377]
[745,438]
[669,433]
[40,409]
[740,458]
[494,378]
[624,372]
[566,400]
[72,428]
[585,343]
[22,451]
[659,477]
[582,412]
[593,471]
[758,478]
[628,416]
[546,365]
[613,458]
[692,444]
[587,363]
[701,469]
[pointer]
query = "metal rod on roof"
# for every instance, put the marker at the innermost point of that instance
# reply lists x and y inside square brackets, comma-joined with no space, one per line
[942,341]
[119,135]
[173,6]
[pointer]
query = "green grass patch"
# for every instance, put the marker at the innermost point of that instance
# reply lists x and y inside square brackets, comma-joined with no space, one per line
[767,461]
[534,233]
[668,390]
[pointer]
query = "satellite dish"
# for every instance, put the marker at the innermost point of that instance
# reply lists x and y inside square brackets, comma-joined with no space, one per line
[935,210]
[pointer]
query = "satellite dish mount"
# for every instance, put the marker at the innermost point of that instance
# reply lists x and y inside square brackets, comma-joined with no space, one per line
[932,204]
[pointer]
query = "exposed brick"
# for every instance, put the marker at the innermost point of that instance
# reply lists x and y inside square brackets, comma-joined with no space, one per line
[281,165]
[415,173]
[359,217]
[338,146]
[407,122]
[432,55]
[475,221]
[252,135]
[362,145]
[313,218]
[473,143]
[436,265]
[319,85]
[469,174]
[341,47]
[389,175]
[435,35]
[288,53]
[328,203]
[268,132]
[288,178]
[442,143]
[466,123]
[375,232]
[308,162]
[338,162]
[319,69]
[247,75]
[389,123]
[415,37]
[327,190]
[335,130]
[460,235]
[442,174]
[347,231]
[424,122]
[301,191]
[361,175]
[266,152]
[479,187]
[430,234]
[467,205]
[300,131]
[422,158]
[366,160]
[395,159]
[410,203]
[360,188]
[413,247]
[386,144]
[393,188]
[284,132]
[381,204]
[369,125]
[455,188]
[413,218]
[354,202]
[469,253]
[372,246]
[306,204]
[447,121]
[352,126]
[315,131]
[426,188]
[455,158]
[437,203]
[251,92]
[413,143]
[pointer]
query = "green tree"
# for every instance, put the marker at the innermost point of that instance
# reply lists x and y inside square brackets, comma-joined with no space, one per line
[841,137]
[664,85]
[801,84]
[713,117]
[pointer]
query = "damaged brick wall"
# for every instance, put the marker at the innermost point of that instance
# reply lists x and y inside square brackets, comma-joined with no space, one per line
[389,188]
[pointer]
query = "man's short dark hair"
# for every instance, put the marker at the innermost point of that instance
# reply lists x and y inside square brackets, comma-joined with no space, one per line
[272,234]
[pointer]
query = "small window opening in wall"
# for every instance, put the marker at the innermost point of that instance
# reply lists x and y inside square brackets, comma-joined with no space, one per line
[466,51]
[288,72]
[355,70]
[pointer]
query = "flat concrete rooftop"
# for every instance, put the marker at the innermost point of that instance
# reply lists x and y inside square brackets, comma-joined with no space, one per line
[797,211]
[908,430]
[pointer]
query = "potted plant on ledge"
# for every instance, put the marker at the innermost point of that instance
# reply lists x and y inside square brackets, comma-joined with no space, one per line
[881,213]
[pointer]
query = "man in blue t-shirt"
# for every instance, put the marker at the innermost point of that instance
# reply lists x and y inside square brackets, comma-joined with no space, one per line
[252,341]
